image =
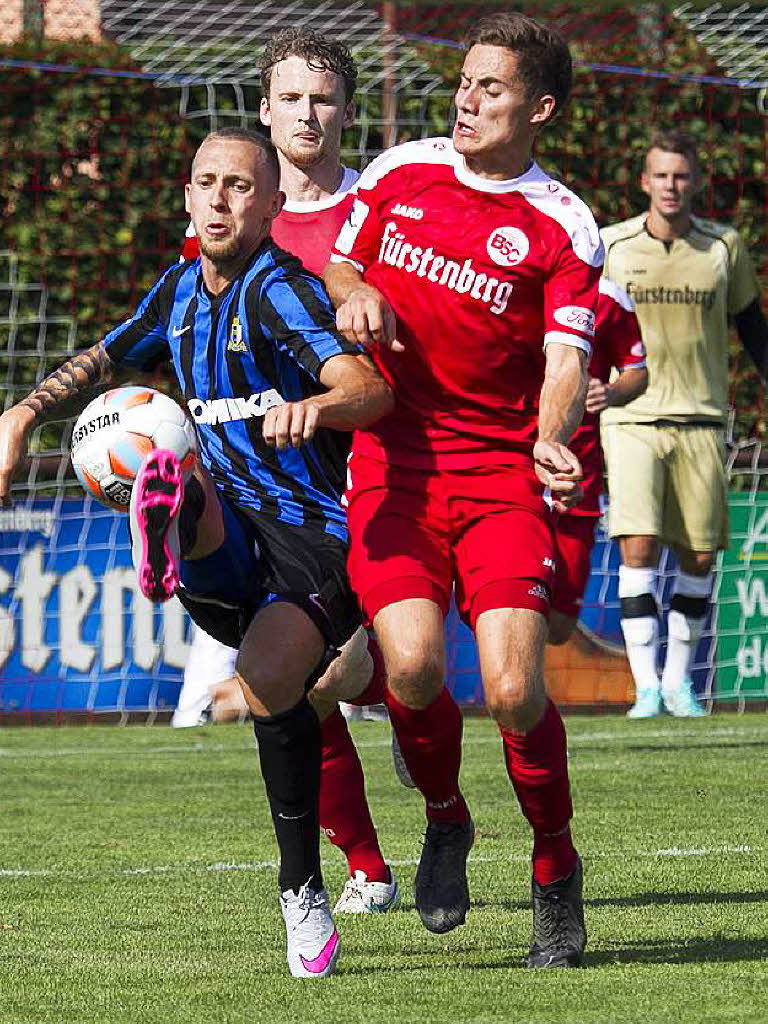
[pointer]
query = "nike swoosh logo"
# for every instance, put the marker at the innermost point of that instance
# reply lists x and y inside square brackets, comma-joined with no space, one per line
[292,817]
[321,962]
[178,331]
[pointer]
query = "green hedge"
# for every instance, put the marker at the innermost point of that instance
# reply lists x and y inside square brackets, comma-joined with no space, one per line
[92,169]
[92,173]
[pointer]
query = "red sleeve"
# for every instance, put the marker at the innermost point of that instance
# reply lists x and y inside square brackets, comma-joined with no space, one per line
[359,240]
[570,301]
[570,296]
[191,248]
[620,342]
[360,235]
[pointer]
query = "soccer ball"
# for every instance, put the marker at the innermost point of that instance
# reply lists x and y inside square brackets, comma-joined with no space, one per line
[117,430]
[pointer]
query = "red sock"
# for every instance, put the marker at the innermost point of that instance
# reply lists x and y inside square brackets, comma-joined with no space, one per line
[344,814]
[430,740]
[537,764]
[376,690]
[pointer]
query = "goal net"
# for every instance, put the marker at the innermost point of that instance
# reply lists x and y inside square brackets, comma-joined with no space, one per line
[102,107]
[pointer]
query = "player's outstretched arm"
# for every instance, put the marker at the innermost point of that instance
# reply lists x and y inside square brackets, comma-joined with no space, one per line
[752,329]
[629,385]
[357,396]
[561,407]
[363,315]
[53,395]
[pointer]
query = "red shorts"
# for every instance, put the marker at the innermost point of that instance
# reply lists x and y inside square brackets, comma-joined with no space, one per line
[574,540]
[414,533]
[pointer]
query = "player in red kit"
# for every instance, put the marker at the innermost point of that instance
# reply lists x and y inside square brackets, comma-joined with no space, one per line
[308,84]
[618,345]
[473,275]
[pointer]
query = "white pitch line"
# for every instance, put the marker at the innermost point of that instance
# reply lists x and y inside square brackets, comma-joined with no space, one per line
[195,748]
[268,865]
[676,851]
[24,873]
[574,740]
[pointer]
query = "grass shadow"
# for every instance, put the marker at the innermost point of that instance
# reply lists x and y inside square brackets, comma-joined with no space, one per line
[655,748]
[644,899]
[715,949]
[670,899]
[668,748]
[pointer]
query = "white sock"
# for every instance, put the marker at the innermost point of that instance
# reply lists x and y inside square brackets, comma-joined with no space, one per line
[690,594]
[641,631]
[208,664]
[193,701]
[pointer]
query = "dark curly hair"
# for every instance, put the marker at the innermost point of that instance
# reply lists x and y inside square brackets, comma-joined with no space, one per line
[320,53]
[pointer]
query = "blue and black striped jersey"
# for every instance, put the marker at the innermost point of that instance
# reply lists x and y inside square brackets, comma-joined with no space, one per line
[259,343]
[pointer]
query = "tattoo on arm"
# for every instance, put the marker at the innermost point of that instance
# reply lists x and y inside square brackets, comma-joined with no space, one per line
[70,383]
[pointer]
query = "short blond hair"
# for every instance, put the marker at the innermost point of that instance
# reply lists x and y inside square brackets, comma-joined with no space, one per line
[674,140]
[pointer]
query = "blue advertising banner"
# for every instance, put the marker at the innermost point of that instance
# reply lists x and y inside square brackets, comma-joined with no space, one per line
[600,616]
[76,635]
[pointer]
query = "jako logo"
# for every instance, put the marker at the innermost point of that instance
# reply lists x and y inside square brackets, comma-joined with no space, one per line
[228,410]
[508,246]
[413,212]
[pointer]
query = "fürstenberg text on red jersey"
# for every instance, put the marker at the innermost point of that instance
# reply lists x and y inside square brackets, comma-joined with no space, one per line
[463,278]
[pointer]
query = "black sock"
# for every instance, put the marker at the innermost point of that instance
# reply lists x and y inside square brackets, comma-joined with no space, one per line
[191,510]
[289,751]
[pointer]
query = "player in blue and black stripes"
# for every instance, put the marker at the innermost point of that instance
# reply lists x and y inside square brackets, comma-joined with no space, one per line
[255,541]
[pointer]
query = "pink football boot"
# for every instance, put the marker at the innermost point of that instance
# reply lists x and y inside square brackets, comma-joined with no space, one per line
[156,498]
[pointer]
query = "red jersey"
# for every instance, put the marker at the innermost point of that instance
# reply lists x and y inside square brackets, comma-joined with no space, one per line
[481,275]
[306,230]
[618,345]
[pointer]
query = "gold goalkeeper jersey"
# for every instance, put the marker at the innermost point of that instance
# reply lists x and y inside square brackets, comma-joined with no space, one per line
[684,292]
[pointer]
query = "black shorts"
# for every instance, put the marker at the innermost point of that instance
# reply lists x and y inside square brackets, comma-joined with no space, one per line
[279,561]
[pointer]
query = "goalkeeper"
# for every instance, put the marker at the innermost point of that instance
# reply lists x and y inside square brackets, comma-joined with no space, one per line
[664,451]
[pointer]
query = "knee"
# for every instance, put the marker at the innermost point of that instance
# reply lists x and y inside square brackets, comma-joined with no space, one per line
[252,682]
[560,628]
[250,672]
[639,552]
[416,678]
[349,674]
[262,692]
[515,702]
[323,704]
[696,563]
[330,683]
[228,701]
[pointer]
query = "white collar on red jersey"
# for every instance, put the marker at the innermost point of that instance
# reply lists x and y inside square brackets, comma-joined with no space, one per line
[348,179]
[471,180]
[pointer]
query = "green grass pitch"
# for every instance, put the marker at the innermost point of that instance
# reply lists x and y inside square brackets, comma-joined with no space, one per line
[138,884]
